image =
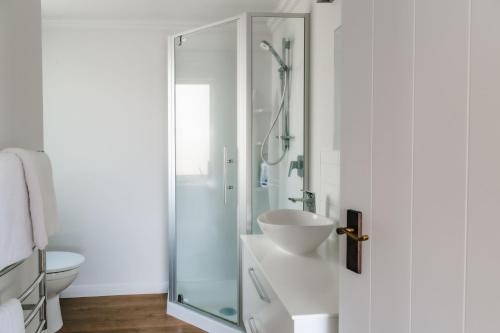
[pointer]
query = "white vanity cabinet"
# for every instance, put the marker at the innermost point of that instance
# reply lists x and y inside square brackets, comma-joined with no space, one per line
[284,293]
[262,310]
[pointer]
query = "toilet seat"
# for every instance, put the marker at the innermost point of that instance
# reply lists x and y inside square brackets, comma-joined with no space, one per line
[59,261]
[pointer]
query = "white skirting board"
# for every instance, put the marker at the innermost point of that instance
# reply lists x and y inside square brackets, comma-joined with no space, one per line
[89,290]
[205,323]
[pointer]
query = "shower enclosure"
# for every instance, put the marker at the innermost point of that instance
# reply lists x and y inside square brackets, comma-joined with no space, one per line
[238,98]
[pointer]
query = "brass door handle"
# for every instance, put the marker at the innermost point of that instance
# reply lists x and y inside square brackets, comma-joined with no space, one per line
[351,233]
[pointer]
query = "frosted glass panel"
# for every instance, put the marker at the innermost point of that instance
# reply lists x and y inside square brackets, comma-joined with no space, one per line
[193,137]
[206,171]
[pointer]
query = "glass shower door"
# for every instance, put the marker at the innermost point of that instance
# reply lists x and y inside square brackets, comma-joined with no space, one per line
[206,173]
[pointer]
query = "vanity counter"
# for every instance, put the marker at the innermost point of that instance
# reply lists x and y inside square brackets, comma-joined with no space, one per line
[306,286]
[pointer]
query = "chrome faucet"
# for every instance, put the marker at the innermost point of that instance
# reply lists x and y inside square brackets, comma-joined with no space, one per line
[309,200]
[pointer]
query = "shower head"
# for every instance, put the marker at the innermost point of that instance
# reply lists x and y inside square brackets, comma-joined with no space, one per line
[265,45]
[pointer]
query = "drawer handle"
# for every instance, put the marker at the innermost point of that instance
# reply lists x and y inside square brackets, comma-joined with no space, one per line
[251,324]
[258,286]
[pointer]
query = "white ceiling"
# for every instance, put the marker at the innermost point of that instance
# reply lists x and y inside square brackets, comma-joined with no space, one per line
[158,10]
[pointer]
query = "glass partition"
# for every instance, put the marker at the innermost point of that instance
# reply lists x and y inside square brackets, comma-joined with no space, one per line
[232,133]
[205,127]
[278,114]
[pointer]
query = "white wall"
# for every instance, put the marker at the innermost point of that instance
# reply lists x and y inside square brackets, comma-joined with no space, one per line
[20,74]
[97,77]
[325,173]
[419,141]
[20,106]
[105,120]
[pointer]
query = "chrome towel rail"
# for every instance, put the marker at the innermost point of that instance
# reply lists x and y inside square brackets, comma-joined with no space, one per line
[11,267]
[40,307]
[31,288]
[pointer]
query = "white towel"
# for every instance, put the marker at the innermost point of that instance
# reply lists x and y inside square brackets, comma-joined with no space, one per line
[16,239]
[42,199]
[11,317]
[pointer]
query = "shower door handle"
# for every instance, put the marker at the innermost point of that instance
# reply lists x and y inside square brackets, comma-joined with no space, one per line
[225,186]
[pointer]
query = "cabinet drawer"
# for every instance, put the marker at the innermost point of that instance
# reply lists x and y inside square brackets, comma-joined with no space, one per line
[271,319]
[263,312]
[256,293]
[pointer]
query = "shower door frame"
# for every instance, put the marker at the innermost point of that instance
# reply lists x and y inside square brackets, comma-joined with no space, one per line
[244,144]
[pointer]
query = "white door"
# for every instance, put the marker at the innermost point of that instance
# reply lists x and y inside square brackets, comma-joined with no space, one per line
[420,158]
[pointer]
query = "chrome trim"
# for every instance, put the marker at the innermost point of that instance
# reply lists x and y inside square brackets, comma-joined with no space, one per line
[224,173]
[307,101]
[172,246]
[206,26]
[42,288]
[258,286]
[225,185]
[244,144]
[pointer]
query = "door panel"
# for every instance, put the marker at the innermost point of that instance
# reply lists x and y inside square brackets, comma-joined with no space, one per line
[415,169]
[483,272]
[392,165]
[206,168]
[356,86]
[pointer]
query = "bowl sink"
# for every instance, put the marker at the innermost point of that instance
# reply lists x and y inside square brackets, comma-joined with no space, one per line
[295,231]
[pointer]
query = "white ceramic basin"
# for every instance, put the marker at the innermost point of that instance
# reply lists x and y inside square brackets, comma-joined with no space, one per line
[295,231]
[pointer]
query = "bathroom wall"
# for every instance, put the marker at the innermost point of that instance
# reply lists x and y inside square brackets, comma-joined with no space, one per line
[20,74]
[105,109]
[20,105]
[104,102]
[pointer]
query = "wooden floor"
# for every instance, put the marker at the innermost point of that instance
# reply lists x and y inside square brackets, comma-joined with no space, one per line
[120,314]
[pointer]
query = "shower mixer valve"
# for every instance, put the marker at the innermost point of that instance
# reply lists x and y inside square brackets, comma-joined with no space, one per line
[299,165]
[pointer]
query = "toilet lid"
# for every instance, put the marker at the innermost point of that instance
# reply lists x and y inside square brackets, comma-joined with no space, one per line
[58,261]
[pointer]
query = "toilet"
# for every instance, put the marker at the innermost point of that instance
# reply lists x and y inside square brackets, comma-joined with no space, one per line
[62,270]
